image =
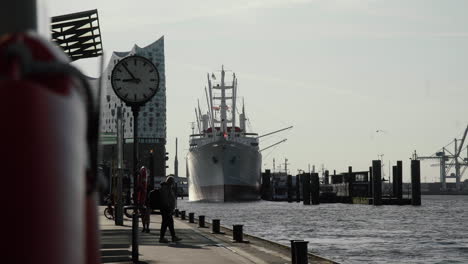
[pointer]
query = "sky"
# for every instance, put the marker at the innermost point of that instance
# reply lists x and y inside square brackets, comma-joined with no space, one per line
[336,70]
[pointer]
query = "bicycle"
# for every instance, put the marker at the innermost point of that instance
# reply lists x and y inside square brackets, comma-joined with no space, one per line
[109,213]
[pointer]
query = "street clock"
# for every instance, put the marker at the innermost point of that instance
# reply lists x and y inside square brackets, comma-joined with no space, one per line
[135,80]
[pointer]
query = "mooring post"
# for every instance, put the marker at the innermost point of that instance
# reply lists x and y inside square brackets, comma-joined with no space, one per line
[293,250]
[191,217]
[301,252]
[315,188]
[395,181]
[266,185]
[237,234]
[298,190]
[371,185]
[415,182]
[400,179]
[215,226]
[182,215]
[305,177]
[350,181]
[377,180]
[290,189]
[201,221]
[326,180]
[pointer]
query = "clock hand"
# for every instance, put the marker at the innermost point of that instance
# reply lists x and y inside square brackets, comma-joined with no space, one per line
[133,77]
[135,80]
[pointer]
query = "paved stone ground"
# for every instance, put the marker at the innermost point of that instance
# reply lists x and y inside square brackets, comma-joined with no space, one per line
[198,245]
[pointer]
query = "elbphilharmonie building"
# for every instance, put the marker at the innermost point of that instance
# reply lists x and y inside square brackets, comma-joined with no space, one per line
[151,121]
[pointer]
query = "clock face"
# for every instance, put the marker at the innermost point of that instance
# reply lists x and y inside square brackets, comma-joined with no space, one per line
[135,80]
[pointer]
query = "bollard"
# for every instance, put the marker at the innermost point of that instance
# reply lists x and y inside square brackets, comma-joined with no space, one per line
[300,250]
[415,182]
[315,188]
[305,177]
[377,180]
[237,235]
[191,217]
[201,221]
[176,212]
[290,189]
[293,250]
[182,215]
[399,179]
[216,227]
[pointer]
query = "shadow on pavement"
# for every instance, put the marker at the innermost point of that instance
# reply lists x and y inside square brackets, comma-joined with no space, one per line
[116,243]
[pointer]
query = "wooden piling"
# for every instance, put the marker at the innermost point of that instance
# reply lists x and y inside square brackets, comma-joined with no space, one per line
[326,180]
[400,179]
[266,185]
[305,178]
[350,181]
[377,181]
[415,182]
[315,188]
[290,188]
[395,181]
[371,183]
[298,190]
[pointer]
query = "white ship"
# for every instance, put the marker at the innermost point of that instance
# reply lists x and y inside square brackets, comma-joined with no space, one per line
[224,161]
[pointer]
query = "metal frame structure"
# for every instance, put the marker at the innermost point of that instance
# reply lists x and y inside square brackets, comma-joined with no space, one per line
[78,34]
[447,162]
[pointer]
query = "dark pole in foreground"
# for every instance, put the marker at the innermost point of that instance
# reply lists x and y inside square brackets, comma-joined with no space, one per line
[415,182]
[377,180]
[135,110]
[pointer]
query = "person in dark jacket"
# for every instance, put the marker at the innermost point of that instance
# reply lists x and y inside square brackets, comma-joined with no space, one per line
[168,203]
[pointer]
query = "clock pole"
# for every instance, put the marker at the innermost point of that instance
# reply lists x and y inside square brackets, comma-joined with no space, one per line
[135,110]
[134,81]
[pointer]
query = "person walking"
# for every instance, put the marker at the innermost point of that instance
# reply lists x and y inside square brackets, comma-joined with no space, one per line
[168,201]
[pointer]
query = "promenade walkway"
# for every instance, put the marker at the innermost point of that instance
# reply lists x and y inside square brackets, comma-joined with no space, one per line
[198,245]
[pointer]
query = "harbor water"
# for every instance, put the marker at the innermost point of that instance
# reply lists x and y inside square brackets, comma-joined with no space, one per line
[436,232]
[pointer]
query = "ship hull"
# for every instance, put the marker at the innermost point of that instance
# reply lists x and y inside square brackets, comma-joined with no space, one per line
[224,171]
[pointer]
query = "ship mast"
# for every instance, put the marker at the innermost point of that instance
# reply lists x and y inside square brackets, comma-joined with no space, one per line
[234,96]
[223,103]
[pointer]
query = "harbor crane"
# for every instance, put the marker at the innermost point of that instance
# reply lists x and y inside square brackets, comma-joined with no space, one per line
[449,160]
